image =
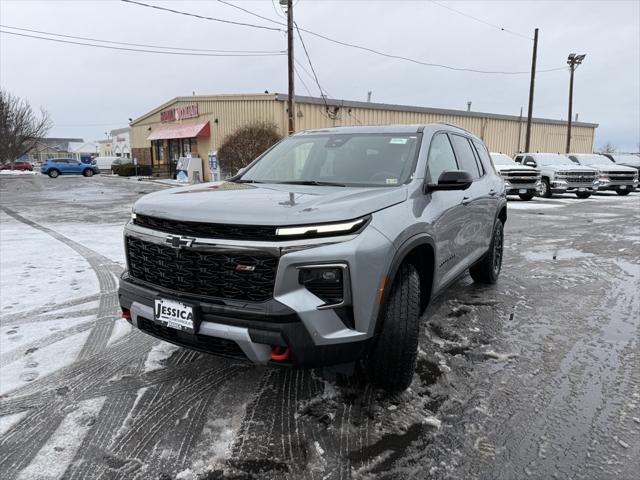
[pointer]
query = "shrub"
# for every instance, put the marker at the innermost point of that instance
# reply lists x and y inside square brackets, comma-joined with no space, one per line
[129,170]
[246,144]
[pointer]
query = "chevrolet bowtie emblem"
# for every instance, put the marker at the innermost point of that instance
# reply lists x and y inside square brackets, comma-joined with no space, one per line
[179,242]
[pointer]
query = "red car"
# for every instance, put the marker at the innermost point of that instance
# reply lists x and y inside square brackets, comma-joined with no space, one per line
[16,166]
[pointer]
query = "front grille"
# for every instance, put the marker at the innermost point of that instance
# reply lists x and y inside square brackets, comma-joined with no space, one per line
[578,177]
[620,177]
[521,177]
[208,230]
[218,346]
[203,273]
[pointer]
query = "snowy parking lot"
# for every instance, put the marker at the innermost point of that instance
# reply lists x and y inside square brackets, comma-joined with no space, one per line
[537,376]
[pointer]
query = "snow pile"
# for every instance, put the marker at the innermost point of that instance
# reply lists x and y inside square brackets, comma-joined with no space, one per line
[158,355]
[17,172]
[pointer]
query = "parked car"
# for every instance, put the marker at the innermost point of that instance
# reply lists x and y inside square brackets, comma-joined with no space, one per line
[64,166]
[561,175]
[623,180]
[627,159]
[104,163]
[18,165]
[325,250]
[519,179]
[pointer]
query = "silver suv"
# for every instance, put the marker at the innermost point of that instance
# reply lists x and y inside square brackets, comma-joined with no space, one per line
[561,175]
[325,250]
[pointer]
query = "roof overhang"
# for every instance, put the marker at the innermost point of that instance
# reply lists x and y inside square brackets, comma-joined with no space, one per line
[183,130]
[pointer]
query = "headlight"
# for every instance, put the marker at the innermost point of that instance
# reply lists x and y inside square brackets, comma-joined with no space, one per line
[324,230]
[329,282]
[133,216]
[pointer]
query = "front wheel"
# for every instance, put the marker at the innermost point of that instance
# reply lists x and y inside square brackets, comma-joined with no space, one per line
[583,194]
[488,268]
[526,196]
[87,172]
[53,173]
[545,188]
[392,360]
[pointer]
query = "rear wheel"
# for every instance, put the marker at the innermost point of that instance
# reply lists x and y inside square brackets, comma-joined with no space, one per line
[392,360]
[622,192]
[583,194]
[53,173]
[545,188]
[526,196]
[488,268]
[87,172]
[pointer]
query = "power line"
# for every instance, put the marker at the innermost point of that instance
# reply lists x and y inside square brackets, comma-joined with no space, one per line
[141,44]
[351,45]
[315,76]
[110,47]
[303,82]
[254,14]
[203,17]
[481,20]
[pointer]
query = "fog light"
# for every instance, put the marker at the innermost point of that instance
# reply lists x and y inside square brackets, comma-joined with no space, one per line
[327,282]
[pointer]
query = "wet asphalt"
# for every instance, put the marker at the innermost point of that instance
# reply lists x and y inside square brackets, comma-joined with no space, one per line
[537,376]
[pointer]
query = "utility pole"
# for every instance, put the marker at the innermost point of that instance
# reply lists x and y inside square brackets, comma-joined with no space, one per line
[573,61]
[291,100]
[527,142]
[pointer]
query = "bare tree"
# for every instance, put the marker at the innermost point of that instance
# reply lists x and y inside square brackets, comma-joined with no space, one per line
[245,144]
[607,148]
[20,126]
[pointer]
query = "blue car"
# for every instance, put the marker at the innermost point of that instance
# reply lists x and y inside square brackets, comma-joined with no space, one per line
[64,166]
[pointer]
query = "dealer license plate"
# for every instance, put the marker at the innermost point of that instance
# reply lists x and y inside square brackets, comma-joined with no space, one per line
[623,187]
[173,314]
[581,189]
[522,190]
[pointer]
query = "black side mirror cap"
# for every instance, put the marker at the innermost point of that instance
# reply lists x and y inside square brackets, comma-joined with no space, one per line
[452,180]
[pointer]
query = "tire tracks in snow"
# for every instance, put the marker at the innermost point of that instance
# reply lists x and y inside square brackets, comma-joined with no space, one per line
[104,269]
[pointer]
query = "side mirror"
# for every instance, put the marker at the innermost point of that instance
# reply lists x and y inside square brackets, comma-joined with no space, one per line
[452,180]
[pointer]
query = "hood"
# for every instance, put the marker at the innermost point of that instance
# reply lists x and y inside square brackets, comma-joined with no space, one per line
[268,204]
[514,168]
[568,167]
[612,167]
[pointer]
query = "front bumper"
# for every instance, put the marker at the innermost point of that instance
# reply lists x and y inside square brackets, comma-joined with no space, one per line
[237,332]
[607,184]
[562,186]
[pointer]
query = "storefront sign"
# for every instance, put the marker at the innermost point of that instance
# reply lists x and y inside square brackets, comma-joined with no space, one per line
[179,113]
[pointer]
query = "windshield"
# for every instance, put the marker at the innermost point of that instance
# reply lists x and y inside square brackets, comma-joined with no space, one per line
[502,159]
[592,159]
[379,160]
[552,159]
[627,158]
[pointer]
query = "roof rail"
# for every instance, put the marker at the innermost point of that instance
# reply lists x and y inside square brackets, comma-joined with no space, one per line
[455,126]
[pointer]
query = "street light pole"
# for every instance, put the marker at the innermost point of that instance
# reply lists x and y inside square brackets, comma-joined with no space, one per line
[573,61]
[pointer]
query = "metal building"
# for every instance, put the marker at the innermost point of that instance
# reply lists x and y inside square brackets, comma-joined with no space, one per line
[197,125]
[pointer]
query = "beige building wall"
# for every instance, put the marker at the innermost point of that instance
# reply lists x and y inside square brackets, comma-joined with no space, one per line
[226,113]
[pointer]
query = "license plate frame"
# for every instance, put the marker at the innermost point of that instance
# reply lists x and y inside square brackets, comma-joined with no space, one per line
[522,191]
[176,314]
[623,187]
[581,189]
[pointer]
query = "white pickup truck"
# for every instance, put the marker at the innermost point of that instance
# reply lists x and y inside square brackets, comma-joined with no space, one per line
[619,178]
[561,175]
[520,180]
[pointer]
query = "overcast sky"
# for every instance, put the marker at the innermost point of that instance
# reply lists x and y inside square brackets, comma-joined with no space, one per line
[91,90]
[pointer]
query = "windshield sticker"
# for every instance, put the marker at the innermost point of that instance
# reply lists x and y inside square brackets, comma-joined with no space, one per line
[392,181]
[398,141]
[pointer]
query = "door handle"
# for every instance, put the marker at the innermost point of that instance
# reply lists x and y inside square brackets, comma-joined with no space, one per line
[466,200]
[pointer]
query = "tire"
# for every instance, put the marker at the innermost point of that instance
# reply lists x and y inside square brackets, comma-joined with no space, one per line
[622,192]
[583,194]
[526,196]
[87,172]
[53,173]
[392,360]
[487,270]
[545,190]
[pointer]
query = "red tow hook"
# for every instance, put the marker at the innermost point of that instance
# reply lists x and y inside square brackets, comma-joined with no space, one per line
[279,353]
[126,314]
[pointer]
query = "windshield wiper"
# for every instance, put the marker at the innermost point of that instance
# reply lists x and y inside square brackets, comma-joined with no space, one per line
[314,182]
[247,181]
